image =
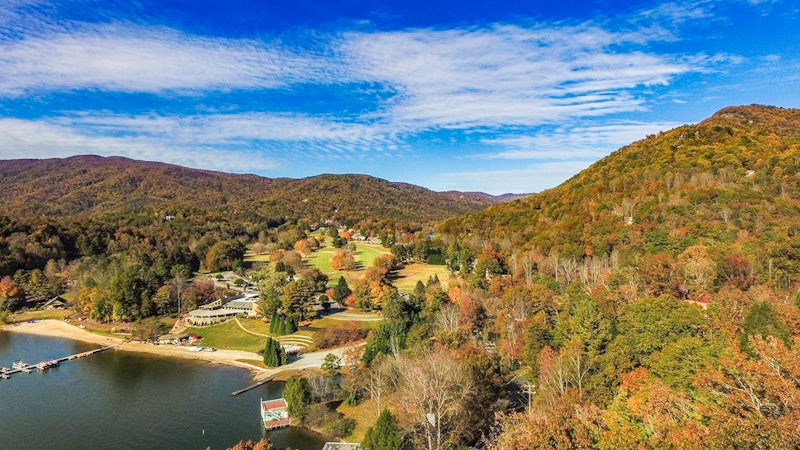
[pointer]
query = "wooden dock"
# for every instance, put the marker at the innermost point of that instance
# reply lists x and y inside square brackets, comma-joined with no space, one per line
[252,386]
[23,367]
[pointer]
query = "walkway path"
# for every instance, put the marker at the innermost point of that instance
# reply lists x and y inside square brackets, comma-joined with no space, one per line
[297,340]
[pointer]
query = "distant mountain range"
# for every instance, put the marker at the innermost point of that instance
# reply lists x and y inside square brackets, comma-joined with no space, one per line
[94,186]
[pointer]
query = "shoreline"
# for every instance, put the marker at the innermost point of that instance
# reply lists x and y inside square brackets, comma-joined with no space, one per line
[59,329]
[234,358]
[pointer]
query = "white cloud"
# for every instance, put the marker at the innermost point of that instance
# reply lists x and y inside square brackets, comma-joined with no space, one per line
[574,142]
[507,75]
[25,138]
[676,13]
[458,78]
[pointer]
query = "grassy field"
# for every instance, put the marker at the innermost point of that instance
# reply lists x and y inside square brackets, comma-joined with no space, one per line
[228,335]
[255,325]
[251,257]
[55,314]
[363,414]
[328,323]
[407,277]
[365,254]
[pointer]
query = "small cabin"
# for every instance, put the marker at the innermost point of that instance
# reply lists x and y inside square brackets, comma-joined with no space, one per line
[54,303]
[275,413]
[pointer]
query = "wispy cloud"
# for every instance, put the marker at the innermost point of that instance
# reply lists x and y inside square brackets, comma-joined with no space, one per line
[126,58]
[508,75]
[459,78]
[250,142]
[573,142]
[41,139]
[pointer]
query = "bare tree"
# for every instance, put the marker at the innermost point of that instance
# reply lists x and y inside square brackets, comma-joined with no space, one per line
[446,321]
[380,380]
[435,386]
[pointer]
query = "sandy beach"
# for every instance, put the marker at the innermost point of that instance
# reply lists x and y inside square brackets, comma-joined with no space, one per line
[237,358]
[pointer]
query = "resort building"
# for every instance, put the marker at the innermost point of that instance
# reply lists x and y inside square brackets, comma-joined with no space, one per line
[203,317]
[216,312]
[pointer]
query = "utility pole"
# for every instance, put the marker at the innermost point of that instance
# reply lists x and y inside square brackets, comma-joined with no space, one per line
[529,389]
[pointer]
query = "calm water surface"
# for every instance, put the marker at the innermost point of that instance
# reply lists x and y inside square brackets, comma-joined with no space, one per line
[123,400]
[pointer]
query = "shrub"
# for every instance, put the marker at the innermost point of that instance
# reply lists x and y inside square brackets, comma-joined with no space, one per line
[339,335]
[341,426]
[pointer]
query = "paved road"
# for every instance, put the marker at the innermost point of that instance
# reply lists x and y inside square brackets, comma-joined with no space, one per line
[311,360]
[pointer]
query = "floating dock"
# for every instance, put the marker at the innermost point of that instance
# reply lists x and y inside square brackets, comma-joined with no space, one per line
[252,386]
[23,367]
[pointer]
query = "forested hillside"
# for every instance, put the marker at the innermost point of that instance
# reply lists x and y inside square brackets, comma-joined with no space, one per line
[651,300]
[119,230]
[92,186]
[730,181]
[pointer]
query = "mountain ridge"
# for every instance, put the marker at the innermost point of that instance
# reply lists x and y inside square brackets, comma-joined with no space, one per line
[90,185]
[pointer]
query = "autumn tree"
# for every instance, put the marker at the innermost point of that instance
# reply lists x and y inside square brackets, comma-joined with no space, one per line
[762,320]
[315,276]
[754,399]
[648,414]
[263,444]
[303,247]
[343,259]
[10,294]
[225,255]
[562,425]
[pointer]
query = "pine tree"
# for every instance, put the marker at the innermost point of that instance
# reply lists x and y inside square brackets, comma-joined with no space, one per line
[341,291]
[385,435]
[274,355]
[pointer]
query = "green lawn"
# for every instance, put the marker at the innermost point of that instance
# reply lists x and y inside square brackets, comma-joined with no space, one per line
[365,254]
[363,414]
[228,335]
[250,256]
[255,325]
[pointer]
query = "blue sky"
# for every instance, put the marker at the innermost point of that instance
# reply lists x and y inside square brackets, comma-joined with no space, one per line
[486,96]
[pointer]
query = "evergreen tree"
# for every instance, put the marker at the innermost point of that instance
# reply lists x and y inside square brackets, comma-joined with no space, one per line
[274,354]
[341,291]
[385,435]
[297,397]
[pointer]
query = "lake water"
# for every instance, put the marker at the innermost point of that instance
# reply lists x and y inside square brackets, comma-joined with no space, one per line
[124,400]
